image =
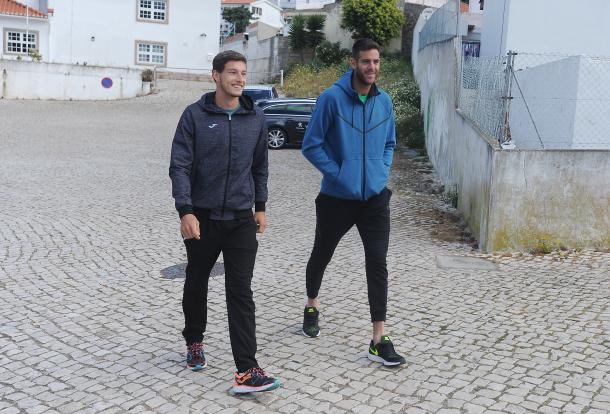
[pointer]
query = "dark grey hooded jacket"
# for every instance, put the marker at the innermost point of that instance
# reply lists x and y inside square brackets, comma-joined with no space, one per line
[219,162]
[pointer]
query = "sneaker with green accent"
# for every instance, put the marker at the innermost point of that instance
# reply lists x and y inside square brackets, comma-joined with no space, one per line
[310,322]
[384,352]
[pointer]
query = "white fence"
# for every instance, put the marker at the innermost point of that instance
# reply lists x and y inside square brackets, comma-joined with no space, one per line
[40,80]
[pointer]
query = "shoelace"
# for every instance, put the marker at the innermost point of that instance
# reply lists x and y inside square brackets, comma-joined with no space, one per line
[196,348]
[259,372]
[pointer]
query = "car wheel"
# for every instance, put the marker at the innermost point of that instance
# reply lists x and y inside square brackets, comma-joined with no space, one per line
[276,138]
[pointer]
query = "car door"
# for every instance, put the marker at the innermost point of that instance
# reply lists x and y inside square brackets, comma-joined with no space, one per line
[297,120]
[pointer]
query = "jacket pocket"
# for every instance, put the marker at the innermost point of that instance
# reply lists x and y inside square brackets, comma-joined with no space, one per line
[377,174]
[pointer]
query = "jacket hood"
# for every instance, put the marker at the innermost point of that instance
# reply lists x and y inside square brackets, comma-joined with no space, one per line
[208,104]
[345,83]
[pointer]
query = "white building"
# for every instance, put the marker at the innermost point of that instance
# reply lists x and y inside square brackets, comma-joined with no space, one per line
[226,28]
[304,4]
[560,26]
[180,35]
[265,11]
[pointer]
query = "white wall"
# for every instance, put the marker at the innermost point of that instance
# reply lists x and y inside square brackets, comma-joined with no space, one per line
[560,26]
[271,14]
[39,80]
[114,26]
[15,22]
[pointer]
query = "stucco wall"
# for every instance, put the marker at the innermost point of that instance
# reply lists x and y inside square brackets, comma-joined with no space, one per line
[40,26]
[512,199]
[39,80]
[191,34]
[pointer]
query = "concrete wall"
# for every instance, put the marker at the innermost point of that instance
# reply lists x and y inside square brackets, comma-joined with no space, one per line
[41,26]
[557,198]
[115,29]
[512,199]
[39,80]
[560,26]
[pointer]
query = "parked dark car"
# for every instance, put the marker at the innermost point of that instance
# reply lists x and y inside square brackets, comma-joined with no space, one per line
[287,119]
[260,92]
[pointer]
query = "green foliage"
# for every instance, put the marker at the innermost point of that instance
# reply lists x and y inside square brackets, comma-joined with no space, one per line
[298,35]
[380,20]
[396,79]
[331,53]
[147,75]
[315,26]
[239,16]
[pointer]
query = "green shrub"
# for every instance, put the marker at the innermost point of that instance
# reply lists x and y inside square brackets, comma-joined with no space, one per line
[331,53]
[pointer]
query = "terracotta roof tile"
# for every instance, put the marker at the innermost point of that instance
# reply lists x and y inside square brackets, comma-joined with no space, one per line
[15,8]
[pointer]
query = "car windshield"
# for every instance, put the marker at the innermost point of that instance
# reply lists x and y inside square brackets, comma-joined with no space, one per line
[257,94]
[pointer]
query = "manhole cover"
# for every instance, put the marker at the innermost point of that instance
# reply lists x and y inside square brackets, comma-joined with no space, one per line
[461,262]
[178,271]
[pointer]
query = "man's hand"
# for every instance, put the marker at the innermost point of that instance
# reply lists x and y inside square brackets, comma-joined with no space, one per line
[261,220]
[189,227]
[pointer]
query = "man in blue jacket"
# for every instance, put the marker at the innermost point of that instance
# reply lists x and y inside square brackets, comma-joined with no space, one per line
[219,171]
[351,139]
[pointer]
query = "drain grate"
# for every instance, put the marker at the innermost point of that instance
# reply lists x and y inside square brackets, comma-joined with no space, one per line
[178,271]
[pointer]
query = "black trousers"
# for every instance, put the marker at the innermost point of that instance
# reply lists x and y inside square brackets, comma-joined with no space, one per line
[334,218]
[236,239]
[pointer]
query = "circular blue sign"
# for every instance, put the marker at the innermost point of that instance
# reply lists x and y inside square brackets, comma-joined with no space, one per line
[107,83]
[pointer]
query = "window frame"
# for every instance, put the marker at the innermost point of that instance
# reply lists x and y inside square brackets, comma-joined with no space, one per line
[152,10]
[151,43]
[8,30]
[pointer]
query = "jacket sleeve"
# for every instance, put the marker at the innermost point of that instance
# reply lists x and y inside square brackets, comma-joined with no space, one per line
[181,163]
[313,147]
[260,168]
[390,142]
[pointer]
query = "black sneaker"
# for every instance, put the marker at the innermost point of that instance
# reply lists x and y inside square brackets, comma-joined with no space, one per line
[384,352]
[195,358]
[310,322]
[254,380]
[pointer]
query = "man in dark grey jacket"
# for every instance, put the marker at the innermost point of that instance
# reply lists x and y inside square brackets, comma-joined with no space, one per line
[219,171]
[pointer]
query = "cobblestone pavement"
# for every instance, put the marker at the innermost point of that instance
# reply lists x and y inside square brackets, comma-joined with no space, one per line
[90,313]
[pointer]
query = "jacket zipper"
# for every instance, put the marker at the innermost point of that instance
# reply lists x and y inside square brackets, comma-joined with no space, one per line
[363,150]
[224,203]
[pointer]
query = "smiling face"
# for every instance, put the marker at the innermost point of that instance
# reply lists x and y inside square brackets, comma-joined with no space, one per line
[366,67]
[232,79]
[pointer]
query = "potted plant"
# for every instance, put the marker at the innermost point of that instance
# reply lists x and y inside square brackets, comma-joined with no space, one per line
[147,78]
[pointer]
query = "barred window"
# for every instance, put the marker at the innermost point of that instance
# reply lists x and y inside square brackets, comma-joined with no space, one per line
[18,41]
[153,10]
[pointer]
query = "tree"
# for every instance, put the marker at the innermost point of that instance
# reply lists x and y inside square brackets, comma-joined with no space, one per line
[380,20]
[298,35]
[315,25]
[331,53]
[238,16]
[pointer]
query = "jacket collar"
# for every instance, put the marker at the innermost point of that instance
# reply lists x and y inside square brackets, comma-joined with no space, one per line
[208,103]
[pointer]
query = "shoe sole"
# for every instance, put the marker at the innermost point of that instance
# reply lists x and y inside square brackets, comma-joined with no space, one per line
[309,336]
[376,358]
[197,367]
[247,390]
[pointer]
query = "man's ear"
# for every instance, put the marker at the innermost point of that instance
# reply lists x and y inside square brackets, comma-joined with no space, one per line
[353,63]
[215,76]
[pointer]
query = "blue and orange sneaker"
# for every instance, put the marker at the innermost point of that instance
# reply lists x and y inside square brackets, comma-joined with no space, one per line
[254,380]
[195,358]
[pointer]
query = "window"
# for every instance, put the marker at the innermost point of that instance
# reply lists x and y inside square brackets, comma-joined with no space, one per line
[19,41]
[153,54]
[257,10]
[275,109]
[152,10]
[299,109]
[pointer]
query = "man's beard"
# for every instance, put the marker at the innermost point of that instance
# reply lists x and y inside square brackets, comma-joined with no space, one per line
[362,78]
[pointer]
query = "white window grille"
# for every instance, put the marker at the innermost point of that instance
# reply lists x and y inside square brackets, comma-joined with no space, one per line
[150,54]
[152,10]
[20,42]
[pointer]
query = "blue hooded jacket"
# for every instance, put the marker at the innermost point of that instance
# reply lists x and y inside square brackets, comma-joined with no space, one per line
[351,143]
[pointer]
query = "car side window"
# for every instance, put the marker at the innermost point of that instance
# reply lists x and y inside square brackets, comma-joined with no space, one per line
[274,93]
[275,110]
[299,109]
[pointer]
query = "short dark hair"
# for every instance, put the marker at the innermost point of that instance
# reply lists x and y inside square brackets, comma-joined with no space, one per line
[361,45]
[221,59]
